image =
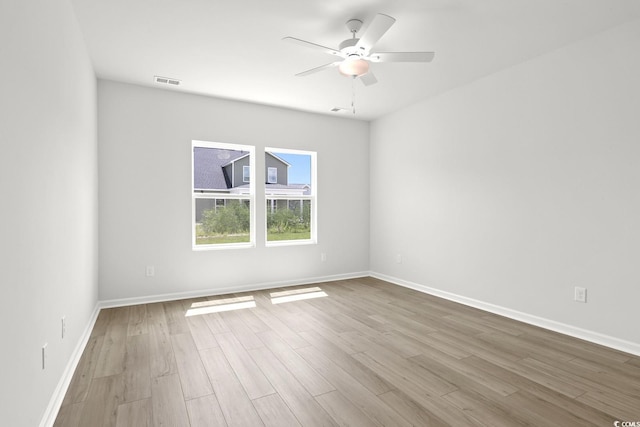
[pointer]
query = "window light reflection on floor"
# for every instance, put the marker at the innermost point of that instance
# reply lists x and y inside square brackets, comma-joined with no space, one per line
[296,295]
[216,306]
[239,303]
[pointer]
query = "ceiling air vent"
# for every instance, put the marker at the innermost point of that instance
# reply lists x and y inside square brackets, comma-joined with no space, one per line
[167,81]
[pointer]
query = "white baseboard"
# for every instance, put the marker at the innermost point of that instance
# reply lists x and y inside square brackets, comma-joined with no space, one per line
[55,403]
[122,302]
[591,336]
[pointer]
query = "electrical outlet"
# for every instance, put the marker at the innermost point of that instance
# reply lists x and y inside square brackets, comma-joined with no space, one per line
[44,355]
[151,271]
[580,294]
[64,326]
[399,258]
[323,257]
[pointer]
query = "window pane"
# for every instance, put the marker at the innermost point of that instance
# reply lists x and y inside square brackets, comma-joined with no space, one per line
[222,221]
[222,202]
[287,174]
[288,219]
[290,198]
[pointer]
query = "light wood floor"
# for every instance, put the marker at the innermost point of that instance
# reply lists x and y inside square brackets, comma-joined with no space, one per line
[368,354]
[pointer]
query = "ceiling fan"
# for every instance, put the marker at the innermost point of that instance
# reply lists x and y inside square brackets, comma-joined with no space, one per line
[356,52]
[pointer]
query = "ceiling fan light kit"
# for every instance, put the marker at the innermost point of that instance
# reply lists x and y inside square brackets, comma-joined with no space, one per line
[353,67]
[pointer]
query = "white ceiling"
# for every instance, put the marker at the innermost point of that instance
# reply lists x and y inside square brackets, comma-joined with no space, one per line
[233,49]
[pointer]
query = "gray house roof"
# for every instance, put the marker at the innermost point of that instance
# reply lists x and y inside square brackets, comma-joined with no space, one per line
[208,172]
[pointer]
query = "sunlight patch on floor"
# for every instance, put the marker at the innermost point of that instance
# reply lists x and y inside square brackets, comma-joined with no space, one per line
[296,295]
[217,306]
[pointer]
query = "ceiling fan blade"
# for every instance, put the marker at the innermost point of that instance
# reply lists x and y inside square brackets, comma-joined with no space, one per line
[401,57]
[380,24]
[368,79]
[325,49]
[317,69]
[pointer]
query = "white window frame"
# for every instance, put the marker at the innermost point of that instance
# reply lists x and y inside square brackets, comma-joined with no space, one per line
[313,239]
[269,169]
[250,196]
[244,174]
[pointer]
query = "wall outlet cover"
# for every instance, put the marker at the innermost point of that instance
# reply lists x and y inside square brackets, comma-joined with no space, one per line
[580,294]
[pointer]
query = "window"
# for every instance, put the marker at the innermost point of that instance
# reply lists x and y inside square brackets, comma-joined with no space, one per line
[272,175]
[290,194]
[246,174]
[223,203]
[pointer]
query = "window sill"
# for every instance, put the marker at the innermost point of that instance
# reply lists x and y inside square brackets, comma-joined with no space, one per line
[290,243]
[200,248]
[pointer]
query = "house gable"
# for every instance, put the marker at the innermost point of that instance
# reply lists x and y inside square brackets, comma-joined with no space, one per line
[273,161]
[236,169]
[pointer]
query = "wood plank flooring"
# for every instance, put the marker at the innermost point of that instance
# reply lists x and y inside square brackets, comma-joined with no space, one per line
[369,353]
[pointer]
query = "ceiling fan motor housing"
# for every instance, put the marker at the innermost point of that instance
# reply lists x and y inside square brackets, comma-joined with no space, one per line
[348,47]
[353,65]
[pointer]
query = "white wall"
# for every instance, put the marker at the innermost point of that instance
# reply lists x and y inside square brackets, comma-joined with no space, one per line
[48,190]
[518,187]
[145,200]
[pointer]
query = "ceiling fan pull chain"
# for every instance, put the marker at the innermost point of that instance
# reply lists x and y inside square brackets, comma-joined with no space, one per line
[353,95]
